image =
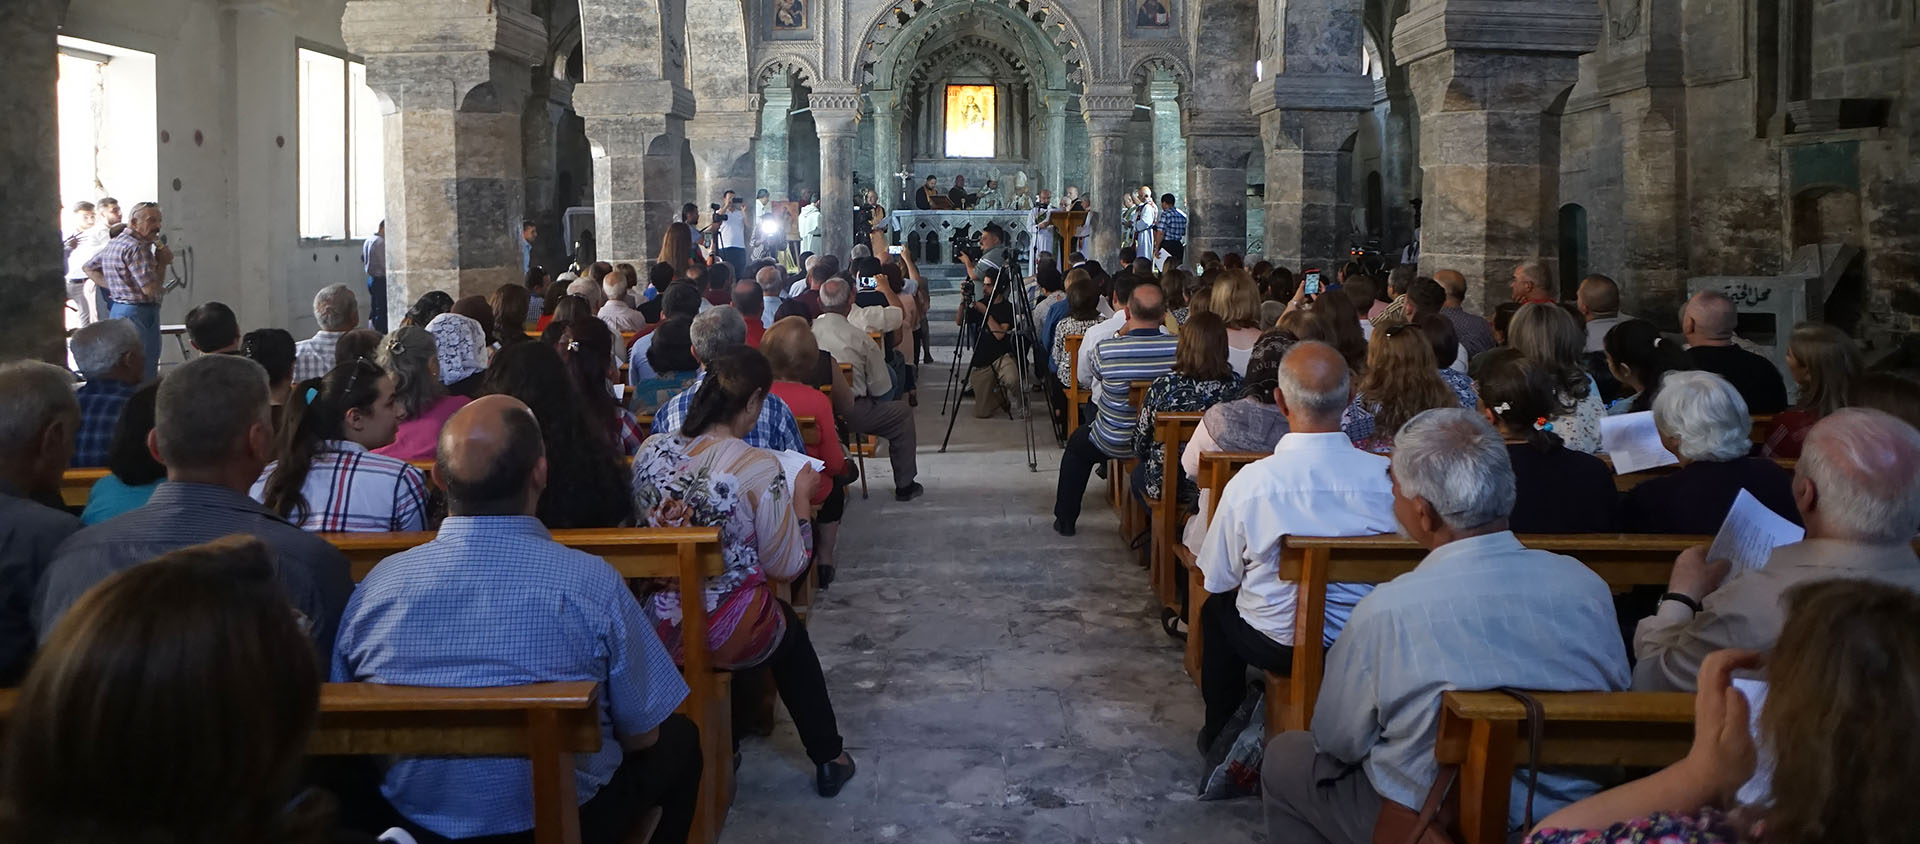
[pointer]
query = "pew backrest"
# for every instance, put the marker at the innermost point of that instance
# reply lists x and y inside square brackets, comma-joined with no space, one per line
[77,484]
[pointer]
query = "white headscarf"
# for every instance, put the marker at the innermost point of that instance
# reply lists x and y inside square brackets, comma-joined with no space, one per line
[463,346]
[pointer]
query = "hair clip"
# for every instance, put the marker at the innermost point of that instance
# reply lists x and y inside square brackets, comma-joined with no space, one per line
[1541,424]
[1656,342]
[573,345]
[1502,407]
[313,394]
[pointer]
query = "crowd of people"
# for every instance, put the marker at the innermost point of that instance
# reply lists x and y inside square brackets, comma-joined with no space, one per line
[169,641]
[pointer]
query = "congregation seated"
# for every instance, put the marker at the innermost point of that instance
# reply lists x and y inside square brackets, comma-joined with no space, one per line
[1857,489]
[618,312]
[678,301]
[1476,334]
[1401,380]
[212,329]
[1115,324]
[773,286]
[574,308]
[586,345]
[715,333]
[430,304]
[173,703]
[111,358]
[1202,376]
[477,308]
[1371,746]
[750,302]
[354,345]
[275,351]
[324,477]
[1824,363]
[461,344]
[132,473]
[670,357]
[876,411]
[704,473]
[213,433]
[1708,323]
[1703,421]
[1834,727]
[1445,343]
[1253,422]
[1554,341]
[1236,300]
[493,600]
[1316,483]
[511,303]
[1557,489]
[412,356]
[579,450]
[335,311]
[1079,311]
[1139,351]
[792,355]
[37,425]
[1639,357]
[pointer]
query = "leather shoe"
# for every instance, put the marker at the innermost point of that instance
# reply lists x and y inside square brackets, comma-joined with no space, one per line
[832,776]
[1062,528]
[909,492]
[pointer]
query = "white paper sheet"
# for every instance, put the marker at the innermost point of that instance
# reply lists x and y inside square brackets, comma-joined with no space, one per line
[791,462]
[1758,791]
[1750,533]
[1633,442]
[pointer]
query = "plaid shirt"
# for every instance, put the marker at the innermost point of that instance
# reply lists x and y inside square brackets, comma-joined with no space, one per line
[313,357]
[100,403]
[494,601]
[775,430]
[351,489]
[128,266]
[1173,224]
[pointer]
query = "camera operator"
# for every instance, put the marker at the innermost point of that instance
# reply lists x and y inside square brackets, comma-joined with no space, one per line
[993,364]
[729,231]
[984,271]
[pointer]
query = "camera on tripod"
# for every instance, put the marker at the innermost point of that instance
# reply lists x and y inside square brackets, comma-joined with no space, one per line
[965,241]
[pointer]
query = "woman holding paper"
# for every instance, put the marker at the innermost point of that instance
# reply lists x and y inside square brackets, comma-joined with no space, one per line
[705,475]
[1704,422]
[1840,753]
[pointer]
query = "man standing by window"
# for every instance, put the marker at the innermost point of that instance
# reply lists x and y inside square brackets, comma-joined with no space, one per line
[131,268]
[373,256]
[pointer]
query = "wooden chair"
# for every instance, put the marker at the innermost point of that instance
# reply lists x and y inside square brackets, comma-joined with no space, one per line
[1216,468]
[686,555]
[1076,395]
[1171,431]
[77,484]
[546,722]
[1485,733]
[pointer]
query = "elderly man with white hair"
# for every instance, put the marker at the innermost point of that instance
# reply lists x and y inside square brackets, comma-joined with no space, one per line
[1857,487]
[111,357]
[618,311]
[1704,422]
[875,411]
[37,422]
[336,312]
[1480,612]
[1708,322]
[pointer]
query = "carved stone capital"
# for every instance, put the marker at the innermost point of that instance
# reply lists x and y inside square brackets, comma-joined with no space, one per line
[720,125]
[655,97]
[1507,26]
[1312,92]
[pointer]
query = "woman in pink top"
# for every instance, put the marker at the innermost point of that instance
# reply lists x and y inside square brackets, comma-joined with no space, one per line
[410,355]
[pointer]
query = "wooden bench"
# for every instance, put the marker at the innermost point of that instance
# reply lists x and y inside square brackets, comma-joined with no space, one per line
[1626,483]
[1485,733]
[547,723]
[686,555]
[1076,394]
[1171,431]
[77,484]
[1216,468]
[1133,520]
[861,446]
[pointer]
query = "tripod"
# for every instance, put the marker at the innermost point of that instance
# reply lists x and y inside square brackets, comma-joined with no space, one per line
[1008,285]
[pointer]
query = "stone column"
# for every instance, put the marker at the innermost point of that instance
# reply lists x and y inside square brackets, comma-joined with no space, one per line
[886,147]
[1653,200]
[636,131]
[1053,162]
[835,111]
[1308,106]
[31,269]
[1169,144]
[722,144]
[539,151]
[1483,78]
[1109,109]
[454,80]
[261,30]
[770,151]
[1218,148]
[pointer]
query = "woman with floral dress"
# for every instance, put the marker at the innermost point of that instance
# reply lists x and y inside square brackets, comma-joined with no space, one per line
[705,475]
[1202,377]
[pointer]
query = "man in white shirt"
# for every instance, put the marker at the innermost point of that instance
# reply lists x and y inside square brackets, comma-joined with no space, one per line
[1145,215]
[730,233]
[336,312]
[810,226]
[618,312]
[771,280]
[92,301]
[1315,484]
[871,383]
[1123,285]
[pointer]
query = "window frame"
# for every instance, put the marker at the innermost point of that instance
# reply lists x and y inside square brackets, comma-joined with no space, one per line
[347,187]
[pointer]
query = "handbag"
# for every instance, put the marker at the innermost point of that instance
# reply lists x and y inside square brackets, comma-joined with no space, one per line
[1434,823]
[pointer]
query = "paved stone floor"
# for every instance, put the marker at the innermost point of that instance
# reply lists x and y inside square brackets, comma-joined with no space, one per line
[995,682]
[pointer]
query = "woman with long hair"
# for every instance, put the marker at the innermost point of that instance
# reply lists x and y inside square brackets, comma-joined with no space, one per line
[1401,381]
[430,304]
[480,310]
[410,355]
[1640,358]
[1083,312]
[274,349]
[1554,340]
[1836,723]
[324,476]
[1237,300]
[510,303]
[132,472]
[1558,490]
[573,308]
[705,475]
[585,345]
[594,492]
[676,246]
[172,703]
[1202,376]
[670,355]
[1824,363]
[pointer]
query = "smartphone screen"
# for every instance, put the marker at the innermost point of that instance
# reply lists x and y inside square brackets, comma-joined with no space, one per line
[1312,282]
[893,250]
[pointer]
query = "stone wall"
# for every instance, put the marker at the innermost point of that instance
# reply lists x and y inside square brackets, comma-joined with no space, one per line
[1855,49]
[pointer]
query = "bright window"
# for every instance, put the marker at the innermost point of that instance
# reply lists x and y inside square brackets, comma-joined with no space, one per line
[969,121]
[108,128]
[342,185]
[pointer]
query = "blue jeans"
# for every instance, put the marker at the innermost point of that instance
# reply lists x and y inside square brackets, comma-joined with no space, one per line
[146,320]
[377,303]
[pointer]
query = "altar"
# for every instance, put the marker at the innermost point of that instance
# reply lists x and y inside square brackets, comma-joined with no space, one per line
[931,237]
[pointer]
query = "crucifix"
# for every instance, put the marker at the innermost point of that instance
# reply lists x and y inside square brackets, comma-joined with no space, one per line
[905,176]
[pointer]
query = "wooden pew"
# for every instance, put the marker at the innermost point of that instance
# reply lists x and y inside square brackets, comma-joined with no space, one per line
[1627,482]
[1485,733]
[1216,468]
[686,555]
[77,484]
[1076,395]
[1120,470]
[859,445]
[546,722]
[1170,433]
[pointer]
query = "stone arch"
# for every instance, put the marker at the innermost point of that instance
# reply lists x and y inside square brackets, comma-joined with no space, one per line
[1147,63]
[799,69]
[895,32]
[1231,44]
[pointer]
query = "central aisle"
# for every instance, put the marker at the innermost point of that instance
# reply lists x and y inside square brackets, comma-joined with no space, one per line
[994,681]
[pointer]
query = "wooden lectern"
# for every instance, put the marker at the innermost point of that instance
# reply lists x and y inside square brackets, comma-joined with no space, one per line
[1066,226]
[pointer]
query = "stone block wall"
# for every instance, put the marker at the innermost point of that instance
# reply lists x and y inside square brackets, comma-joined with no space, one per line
[1855,49]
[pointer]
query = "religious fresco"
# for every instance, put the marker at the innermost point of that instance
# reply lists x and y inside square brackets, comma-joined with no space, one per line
[1153,14]
[970,121]
[789,15]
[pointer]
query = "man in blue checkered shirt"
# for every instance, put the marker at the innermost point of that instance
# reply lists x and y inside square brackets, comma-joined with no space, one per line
[112,359]
[715,332]
[1170,232]
[493,600]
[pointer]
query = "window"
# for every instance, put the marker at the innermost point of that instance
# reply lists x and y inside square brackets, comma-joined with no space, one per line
[342,188]
[108,124]
[970,121]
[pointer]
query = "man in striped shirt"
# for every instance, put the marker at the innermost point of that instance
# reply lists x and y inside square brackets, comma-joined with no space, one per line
[1140,352]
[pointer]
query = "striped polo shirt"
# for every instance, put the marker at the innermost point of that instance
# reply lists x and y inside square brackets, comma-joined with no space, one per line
[1139,355]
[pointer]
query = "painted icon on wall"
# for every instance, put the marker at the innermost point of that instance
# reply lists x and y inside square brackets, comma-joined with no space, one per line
[1153,14]
[789,14]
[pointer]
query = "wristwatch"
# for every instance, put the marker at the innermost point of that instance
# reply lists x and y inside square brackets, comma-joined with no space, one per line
[1682,599]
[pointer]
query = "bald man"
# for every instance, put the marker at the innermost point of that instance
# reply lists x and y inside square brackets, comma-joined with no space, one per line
[1315,484]
[1857,487]
[1476,335]
[1708,322]
[493,600]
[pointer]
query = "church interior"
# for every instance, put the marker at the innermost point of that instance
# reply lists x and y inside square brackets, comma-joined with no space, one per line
[1720,173]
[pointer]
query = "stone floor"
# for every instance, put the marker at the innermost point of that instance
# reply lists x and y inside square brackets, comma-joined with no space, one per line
[995,681]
